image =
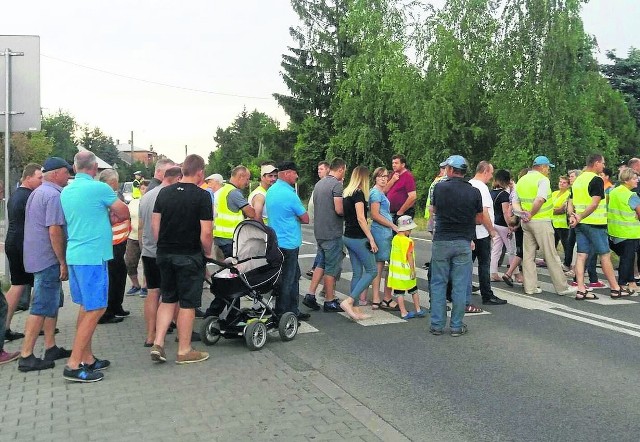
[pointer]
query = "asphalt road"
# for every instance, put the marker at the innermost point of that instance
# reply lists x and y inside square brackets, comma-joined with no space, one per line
[540,368]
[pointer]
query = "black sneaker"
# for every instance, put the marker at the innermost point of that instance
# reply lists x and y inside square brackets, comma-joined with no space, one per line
[11,335]
[122,313]
[98,364]
[31,363]
[55,352]
[109,319]
[303,316]
[459,332]
[82,374]
[332,306]
[310,301]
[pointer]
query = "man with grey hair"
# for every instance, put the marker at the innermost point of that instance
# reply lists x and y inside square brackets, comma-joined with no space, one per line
[117,267]
[90,207]
[161,166]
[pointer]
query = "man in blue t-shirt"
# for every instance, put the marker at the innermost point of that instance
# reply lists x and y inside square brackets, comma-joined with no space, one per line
[286,213]
[90,207]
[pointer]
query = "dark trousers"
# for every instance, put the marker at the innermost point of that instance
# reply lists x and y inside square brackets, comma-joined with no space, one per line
[483,253]
[217,304]
[568,250]
[287,289]
[626,250]
[117,279]
[561,235]
[4,308]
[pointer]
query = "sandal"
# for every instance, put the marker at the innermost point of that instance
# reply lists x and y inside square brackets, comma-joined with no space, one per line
[620,293]
[472,309]
[586,295]
[386,305]
[507,280]
[375,305]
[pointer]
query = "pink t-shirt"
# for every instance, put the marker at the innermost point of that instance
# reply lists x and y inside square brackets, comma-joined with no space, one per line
[400,191]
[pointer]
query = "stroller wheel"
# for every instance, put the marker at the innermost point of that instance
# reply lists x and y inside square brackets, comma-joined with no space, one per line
[255,335]
[288,326]
[210,330]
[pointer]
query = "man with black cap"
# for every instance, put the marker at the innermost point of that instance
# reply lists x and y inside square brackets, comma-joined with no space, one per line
[44,246]
[286,213]
[457,207]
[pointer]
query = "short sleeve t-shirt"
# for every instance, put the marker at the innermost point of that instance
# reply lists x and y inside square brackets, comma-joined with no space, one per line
[327,223]
[43,211]
[456,203]
[284,209]
[481,231]
[16,211]
[86,203]
[400,190]
[352,228]
[499,196]
[147,202]
[376,196]
[182,206]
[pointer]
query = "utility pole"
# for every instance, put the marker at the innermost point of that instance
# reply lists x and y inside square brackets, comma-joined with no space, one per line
[185,151]
[132,159]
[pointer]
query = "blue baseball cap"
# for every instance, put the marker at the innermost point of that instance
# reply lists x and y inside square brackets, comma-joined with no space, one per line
[456,161]
[54,163]
[542,161]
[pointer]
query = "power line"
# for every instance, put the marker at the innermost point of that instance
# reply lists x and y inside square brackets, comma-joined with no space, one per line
[157,83]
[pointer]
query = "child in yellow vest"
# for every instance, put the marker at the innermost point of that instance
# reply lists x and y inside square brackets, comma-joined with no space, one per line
[402,268]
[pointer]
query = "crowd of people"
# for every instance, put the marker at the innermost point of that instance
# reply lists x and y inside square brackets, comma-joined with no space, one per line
[83,232]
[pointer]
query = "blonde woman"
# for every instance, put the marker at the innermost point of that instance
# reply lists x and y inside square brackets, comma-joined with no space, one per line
[358,239]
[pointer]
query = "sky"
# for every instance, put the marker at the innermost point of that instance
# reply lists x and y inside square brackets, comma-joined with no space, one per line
[229,50]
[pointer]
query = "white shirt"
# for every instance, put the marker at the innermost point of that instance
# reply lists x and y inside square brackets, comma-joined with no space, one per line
[481,231]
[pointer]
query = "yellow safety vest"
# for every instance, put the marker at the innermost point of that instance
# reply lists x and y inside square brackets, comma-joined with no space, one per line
[527,190]
[427,215]
[262,191]
[399,271]
[226,220]
[622,222]
[582,199]
[559,221]
[135,191]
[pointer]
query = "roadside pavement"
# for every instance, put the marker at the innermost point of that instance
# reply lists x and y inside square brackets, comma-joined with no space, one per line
[235,395]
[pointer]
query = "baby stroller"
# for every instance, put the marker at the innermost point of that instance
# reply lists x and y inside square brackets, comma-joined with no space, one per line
[253,271]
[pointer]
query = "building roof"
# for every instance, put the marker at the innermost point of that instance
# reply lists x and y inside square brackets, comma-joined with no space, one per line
[126,147]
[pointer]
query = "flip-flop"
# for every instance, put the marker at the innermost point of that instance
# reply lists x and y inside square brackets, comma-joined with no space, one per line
[386,305]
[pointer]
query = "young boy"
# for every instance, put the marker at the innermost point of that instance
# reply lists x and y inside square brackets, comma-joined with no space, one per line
[402,268]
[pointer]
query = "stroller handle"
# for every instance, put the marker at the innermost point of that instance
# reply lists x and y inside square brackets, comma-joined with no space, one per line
[226,265]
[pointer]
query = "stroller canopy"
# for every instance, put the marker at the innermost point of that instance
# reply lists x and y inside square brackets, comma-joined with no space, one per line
[257,243]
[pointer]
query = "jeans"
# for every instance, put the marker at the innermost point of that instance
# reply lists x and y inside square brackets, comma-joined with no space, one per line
[450,260]
[483,253]
[626,250]
[361,259]
[288,288]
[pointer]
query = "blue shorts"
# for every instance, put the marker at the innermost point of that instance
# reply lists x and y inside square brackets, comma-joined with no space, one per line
[383,237]
[46,292]
[592,239]
[89,285]
[330,256]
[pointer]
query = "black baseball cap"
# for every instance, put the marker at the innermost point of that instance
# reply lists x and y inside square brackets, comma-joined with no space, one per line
[53,163]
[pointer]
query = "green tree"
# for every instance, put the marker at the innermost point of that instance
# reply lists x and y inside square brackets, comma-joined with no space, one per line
[100,144]
[61,127]
[624,76]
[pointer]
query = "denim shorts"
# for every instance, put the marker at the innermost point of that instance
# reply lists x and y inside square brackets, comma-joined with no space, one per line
[592,239]
[46,292]
[383,237]
[89,285]
[330,254]
[181,278]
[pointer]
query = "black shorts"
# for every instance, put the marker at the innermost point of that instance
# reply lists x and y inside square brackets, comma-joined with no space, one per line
[151,272]
[181,278]
[411,291]
[16,267]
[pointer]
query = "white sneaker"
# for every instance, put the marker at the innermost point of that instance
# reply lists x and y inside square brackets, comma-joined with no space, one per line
[537,291]
[569,291]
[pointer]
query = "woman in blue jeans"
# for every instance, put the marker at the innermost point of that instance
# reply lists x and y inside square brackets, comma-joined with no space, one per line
[358,240]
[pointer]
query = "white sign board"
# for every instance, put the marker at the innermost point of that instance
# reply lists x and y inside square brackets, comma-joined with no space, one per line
[25,82]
